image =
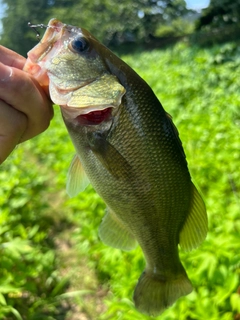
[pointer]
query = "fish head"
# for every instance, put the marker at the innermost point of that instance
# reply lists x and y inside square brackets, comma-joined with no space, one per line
[69,60]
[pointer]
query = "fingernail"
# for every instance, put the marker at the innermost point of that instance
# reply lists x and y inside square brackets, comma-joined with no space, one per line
[5,72]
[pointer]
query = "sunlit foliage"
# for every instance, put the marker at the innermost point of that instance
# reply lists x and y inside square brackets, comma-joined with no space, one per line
[200,89]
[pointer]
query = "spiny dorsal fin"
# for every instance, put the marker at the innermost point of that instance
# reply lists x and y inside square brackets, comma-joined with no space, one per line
[113,233]
[77,179]
[195,228]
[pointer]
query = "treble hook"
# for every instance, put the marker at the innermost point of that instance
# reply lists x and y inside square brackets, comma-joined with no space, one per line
[34,26]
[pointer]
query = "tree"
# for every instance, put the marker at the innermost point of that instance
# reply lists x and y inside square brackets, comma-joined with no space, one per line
[16,33]
[111,21]
[219,13]
[114,21]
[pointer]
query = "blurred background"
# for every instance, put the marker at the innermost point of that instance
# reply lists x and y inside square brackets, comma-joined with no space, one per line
[52,263]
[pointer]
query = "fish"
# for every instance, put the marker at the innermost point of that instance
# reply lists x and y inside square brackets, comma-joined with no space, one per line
[128,148]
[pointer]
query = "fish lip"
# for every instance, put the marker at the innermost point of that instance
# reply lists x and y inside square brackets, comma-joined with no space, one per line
[55,31]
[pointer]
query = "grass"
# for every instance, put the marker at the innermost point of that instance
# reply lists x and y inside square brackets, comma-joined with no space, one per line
[53,265]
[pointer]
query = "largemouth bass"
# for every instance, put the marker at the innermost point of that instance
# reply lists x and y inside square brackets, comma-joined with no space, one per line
[129,149]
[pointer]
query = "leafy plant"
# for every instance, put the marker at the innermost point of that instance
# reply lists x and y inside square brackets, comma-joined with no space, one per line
[53,264]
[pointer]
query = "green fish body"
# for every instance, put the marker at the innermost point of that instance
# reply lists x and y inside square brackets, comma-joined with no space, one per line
[129,149]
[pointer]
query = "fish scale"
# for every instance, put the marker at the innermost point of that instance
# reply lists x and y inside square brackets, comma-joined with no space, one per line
[130,151]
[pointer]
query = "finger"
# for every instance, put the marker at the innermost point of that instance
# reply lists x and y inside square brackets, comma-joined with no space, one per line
[11,58]
[13,124]
[21,91]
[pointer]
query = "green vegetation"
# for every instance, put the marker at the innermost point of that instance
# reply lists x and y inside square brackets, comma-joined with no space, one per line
[53,266]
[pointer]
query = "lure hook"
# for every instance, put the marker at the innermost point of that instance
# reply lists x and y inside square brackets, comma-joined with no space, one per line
[34,26]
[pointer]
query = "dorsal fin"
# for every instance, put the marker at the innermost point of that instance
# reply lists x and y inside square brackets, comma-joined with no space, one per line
[175,131]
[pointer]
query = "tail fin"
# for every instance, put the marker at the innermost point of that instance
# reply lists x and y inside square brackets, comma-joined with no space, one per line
[153,295]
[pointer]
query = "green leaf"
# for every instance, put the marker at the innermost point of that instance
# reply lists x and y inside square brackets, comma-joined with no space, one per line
[235,302]
[2,299]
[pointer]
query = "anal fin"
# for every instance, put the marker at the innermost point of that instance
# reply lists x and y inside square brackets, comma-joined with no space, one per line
[113,233]
[195,228]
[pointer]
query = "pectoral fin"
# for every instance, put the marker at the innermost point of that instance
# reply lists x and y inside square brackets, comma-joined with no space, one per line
[195,228]
[77,179]
[115,234]
[110,157]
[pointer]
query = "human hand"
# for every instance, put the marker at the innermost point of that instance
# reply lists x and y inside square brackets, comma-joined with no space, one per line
[25,107]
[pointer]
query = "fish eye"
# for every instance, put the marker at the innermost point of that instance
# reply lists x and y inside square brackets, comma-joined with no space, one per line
[79,44]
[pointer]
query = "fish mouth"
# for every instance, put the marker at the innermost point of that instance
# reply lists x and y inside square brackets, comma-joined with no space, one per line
[55,31]
[38,55]
[51,41]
